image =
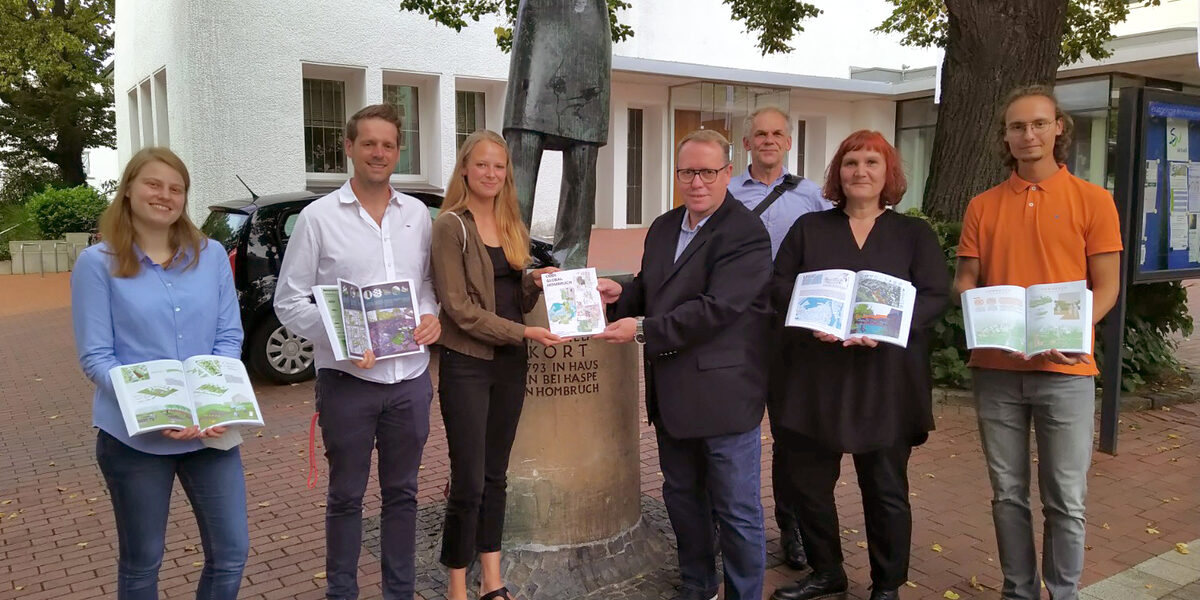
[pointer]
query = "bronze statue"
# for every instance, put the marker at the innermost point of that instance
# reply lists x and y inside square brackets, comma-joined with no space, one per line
[558,98]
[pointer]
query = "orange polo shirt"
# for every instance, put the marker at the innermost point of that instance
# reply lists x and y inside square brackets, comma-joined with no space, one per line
[1025,234]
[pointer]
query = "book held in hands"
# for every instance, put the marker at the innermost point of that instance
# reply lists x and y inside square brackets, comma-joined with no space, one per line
[573,304]
[380,317]
[1033,320]
[848,304]
[203,390]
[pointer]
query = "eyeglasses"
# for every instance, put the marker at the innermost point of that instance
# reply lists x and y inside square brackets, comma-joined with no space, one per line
[1038,126]
[706,175]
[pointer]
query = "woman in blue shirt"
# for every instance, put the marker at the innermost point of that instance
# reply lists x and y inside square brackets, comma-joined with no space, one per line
[156,288]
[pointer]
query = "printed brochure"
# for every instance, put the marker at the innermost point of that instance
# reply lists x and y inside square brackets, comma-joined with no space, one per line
[167,394]
[848,304]
[573,303]
[380,317]
[1053,316]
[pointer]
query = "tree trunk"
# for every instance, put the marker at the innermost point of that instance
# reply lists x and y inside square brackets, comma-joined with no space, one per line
[992,47]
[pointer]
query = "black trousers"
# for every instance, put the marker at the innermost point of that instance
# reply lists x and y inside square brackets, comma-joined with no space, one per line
[481,405]
[781,480]
[356,415]
[883,479]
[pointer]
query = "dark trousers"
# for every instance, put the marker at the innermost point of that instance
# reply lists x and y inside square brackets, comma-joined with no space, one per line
[716,475]
[140,487]
[481,404]
[357,415]
[883,479]
[781,480]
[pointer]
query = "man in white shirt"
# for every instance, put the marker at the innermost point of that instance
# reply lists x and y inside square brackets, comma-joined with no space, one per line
[366,232]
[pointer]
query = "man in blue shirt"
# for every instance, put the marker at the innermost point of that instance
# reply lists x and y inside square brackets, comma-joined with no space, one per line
[768,139]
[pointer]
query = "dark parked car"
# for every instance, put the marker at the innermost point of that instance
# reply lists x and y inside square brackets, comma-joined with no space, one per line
[255,233]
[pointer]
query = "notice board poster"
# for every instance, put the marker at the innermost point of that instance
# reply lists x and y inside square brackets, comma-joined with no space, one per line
[1169,165]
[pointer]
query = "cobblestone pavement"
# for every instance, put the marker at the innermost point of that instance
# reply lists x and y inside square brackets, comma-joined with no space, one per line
[57,539]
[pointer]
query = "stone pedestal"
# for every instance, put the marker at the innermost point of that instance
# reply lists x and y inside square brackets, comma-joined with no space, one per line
[573,522]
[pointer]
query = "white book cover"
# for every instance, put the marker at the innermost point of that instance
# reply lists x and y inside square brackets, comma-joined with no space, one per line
[573,304]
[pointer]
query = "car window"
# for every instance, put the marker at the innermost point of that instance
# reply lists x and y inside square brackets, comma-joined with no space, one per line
[225,227]
[289,225]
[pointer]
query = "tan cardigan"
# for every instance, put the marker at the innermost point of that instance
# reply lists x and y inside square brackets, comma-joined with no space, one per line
[466,288]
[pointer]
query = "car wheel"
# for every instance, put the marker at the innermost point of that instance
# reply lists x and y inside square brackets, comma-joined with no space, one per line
[280,355]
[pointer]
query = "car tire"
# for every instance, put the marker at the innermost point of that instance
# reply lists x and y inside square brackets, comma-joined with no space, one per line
[278,354]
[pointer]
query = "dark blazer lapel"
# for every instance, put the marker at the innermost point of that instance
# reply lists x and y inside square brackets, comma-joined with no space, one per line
[661,255]
[701,238]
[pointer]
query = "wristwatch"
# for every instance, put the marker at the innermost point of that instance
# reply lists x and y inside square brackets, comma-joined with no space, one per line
[639,336]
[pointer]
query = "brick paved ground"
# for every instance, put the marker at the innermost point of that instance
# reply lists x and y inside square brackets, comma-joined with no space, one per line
[56,538]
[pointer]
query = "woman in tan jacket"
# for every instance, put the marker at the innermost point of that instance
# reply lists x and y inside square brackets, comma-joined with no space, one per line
[480,250]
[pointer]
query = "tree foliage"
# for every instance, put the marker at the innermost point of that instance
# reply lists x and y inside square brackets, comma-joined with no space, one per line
[55,95]
[925,23]
[775,22]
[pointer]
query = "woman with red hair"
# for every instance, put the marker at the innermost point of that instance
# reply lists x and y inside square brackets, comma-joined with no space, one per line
[856,396]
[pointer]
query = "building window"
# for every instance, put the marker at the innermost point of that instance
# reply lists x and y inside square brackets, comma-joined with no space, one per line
[633,166]
[405,99]
[915,123]
[324,123]
[468,115]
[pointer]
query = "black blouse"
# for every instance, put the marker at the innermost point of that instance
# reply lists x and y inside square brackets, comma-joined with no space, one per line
[508,286]
[858,399]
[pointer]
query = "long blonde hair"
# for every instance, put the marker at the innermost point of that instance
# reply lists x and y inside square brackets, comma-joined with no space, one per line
[514,236]
[116,224]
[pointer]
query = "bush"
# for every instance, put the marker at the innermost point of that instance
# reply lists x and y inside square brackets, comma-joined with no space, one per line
[58,211]
[16,223]
[1154,314]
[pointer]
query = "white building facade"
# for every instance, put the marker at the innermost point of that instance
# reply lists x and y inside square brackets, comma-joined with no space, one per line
[262,90]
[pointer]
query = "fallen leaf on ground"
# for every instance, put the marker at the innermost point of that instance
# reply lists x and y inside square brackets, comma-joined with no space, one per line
[319,575]
[5,502]
[1166,409]
[90,500]
[975,583]
[931,475]
[62,489]
[861,544]
[910,584]
[189,548]
[91,513]
[198,563]
[1172,436]
[937,547]
[264,504]
[320,504]
[51,464]
[284,536]
[53,417]
[1104,526]
[1181,548]
[82,544]
[853,531]
[951,595]
[1152,531]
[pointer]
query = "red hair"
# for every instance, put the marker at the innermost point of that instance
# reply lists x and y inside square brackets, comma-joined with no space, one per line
[894,184]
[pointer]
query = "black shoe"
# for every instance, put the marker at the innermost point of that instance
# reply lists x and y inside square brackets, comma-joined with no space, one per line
[793,549]
[885,594]
[816,585]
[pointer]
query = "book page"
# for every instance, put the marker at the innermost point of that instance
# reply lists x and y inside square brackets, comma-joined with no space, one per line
[821,301]
[329,304]
[153,395]
[883,308]
[354,319]
[573,303]
[391,311]
[994,317]
[1059,317]
[221,392]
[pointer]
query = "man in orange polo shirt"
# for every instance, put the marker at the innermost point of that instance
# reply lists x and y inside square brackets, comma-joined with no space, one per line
[1042,225]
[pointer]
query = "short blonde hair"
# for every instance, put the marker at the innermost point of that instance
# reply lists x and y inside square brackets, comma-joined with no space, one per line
[707,136]
[748,126]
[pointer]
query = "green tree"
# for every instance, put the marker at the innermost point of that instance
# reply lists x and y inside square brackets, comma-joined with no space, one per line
[55,94]
[59,211]
[991,48]
[775,22]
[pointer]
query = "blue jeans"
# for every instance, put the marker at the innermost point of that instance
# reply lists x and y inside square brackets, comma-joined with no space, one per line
[140,487]
[1062,410]
[716,475]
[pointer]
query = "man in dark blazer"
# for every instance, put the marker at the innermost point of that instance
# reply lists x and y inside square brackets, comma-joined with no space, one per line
[700,307]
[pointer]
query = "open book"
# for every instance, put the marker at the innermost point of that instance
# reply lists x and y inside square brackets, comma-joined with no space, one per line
[848,304]
[1052,316]
[573,303]
[380,317]
[203,390]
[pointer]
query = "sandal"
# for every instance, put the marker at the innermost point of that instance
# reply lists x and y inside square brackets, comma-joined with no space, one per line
[500,594]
